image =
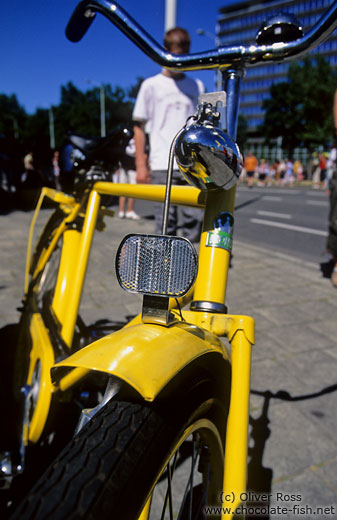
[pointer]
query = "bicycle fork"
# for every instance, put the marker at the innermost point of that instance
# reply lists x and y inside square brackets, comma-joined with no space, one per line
[210,312]
[210,297]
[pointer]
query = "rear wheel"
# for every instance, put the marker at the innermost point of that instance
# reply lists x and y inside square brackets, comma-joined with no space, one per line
[131,457]
[40,290]
[30,381]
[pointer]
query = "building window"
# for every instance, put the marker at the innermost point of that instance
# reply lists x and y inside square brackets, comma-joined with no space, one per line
[235,26]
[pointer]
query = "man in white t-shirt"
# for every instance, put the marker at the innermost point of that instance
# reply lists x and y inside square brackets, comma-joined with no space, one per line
[163,104]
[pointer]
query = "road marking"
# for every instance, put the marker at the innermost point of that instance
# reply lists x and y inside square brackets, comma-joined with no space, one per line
[324,203]
[272,214]
[284,191]
[315,194]
[289,227]
[269,197]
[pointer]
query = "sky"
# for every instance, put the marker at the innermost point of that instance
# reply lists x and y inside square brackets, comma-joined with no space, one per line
[37,58]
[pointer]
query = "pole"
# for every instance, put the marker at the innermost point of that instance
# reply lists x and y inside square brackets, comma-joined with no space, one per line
[170,14]
[102,102]
[51,129]
[16,128]
[218,76]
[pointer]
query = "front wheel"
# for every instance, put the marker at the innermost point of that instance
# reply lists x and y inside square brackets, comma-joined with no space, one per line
[131,459]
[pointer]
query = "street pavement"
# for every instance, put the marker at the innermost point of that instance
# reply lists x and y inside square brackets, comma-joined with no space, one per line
[293,220]
[293,420]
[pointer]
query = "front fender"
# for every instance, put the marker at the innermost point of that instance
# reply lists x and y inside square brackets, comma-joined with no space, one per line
[146,356]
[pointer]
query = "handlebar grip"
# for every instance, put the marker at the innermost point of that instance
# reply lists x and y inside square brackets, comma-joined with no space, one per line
[80,21]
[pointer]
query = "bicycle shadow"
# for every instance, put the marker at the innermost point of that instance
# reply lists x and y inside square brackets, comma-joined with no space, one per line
[327,268]
[259,477]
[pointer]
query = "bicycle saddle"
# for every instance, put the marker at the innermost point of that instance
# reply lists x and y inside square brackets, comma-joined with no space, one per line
[95,147]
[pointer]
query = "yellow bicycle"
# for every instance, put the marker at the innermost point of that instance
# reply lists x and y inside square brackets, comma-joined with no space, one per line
[165,434]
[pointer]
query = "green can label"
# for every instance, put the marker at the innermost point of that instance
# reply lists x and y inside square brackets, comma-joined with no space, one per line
[219,239]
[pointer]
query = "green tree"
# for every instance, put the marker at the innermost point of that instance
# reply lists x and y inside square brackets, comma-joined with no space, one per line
[77,111]
[80,111]
[37,139]
[134,89]
[12,116]
[118,107]
[300,109]
[242,132]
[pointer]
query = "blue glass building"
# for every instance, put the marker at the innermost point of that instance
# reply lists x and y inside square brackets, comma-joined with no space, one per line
[239,22]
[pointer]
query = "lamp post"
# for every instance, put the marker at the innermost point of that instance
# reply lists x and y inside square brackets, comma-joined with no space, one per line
[51,128]
[102,105]
[170,14]
[216,41]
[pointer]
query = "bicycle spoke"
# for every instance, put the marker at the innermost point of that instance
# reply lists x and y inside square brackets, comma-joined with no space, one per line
[169,482]
[168,496]
[48,276]
[192,477]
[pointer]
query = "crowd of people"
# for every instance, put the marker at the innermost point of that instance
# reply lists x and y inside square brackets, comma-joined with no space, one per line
[321,171]
[21,180]
[285,172]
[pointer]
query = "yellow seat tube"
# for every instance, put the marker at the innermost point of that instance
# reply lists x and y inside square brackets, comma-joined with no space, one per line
[235,474]
[80,263]
[214,260]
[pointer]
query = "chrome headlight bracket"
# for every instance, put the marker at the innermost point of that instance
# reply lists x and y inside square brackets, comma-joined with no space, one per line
[156,309]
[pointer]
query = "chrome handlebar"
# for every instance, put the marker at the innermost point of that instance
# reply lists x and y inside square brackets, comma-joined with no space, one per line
[222,57]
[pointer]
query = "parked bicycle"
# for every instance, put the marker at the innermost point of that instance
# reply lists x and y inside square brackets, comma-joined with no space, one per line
[165,417]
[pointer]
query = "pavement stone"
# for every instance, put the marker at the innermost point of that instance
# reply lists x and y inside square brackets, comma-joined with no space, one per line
[292,448]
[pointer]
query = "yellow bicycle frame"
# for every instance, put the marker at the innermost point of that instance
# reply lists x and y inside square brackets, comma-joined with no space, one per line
[159,348]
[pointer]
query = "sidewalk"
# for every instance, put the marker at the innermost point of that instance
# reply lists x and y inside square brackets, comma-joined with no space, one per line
[293,449]
[293,422]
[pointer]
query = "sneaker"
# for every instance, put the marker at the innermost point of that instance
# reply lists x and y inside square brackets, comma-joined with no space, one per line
[132,215]
[121,214]
[334,278]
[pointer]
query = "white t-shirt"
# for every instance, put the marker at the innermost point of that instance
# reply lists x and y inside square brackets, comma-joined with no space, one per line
[164,104]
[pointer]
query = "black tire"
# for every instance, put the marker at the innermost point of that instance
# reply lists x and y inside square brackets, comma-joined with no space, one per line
[109,469]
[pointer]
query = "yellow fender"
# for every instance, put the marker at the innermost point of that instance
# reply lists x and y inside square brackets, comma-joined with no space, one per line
[146,356]
[42,356]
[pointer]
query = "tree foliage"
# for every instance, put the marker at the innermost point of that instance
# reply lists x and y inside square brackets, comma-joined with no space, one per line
[80,111]
[77,111]
[242,132]
[12,116]
[300,109]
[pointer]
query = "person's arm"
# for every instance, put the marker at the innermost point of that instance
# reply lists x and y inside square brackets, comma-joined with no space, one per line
[143,174]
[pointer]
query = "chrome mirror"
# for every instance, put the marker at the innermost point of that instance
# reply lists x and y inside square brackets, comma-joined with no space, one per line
[206,156]
[280,27]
